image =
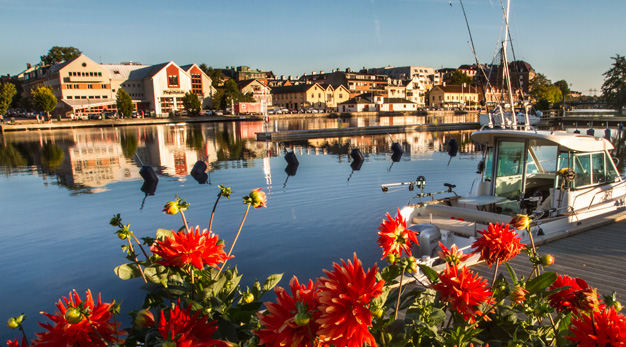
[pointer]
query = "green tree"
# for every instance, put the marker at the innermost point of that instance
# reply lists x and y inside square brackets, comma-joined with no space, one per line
[124,103]
[546,93]
[223,97]
[58,54]
[564,87]
[459,77]
[192,103]
[614,86]
[44,99]
[214,75]
[7,91]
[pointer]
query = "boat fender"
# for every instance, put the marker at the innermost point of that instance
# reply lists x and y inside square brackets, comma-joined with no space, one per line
[149,187]
[356,155]
[396,156]
[198,168]
[453,147]
[356,165]
[591,132]
[428,239]
[291,158]
[396,148]
[576,131]
[148,175]
[607,134]
[292,169]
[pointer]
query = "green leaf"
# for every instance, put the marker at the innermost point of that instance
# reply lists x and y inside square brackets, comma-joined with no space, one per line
[127,271]
[540,283]
[156,273]
[162,234]
[432,275]
[512,273]
[271,282]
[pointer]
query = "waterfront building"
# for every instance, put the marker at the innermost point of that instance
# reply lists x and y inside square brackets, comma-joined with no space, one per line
[84,87]
[303,96]
[453,96]
[376,103]
[357,83]
[257,89]
[426,76]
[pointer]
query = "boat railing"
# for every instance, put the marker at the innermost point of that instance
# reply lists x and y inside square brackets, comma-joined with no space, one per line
[420,183]
[602,194]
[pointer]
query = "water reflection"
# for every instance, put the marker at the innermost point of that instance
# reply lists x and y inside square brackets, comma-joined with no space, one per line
[88,160]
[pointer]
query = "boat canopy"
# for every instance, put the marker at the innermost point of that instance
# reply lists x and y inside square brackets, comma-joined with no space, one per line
[566,141]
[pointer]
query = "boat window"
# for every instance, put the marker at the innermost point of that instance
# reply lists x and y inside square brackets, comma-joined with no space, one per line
[488,165]
[597,164]
[509,167]
[611,172]
[582,167]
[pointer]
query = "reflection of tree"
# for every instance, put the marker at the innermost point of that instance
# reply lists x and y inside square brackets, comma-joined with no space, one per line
[195,137]
[10,157]
[52,154]
[129,145]
[229,146]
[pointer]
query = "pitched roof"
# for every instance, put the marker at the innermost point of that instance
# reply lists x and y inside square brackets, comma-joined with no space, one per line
[298,88]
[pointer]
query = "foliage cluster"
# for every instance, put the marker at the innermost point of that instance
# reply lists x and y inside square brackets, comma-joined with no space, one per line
[124,103]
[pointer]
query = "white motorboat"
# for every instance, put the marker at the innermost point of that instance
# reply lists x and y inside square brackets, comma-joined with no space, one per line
[565,182]
[497,116]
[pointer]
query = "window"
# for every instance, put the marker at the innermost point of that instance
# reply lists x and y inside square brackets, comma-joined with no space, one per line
[69,86]
[172,80]
[103,86]
[69,97]
[90,86]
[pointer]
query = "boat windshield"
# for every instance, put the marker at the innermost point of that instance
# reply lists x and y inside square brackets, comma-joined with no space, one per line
[590,168]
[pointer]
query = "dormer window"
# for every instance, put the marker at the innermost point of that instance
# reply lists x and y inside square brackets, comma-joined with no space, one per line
[172,80]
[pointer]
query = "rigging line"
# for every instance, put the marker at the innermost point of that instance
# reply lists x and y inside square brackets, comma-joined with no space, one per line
[478,65]
[508,33]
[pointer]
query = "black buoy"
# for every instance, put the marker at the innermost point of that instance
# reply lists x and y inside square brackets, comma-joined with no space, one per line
[620,127]
[396,157]
[356,155]
[591,132]
[453,148]
[291,158]
[148,174]
[607,134]
[356,165]
[396,148]
[149,187]
[198,172]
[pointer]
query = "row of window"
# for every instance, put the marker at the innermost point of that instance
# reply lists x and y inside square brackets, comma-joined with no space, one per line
[85,74]
[69,97]
[89,86]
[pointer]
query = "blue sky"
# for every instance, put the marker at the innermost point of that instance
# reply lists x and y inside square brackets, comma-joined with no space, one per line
[572,40]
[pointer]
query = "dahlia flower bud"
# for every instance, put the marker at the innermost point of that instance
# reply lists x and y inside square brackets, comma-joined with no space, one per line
[170,208]
[547,260]
[256,198]
[73,315]
[518,294]
[587,300]
[144,318]
[520,222]
[12,323]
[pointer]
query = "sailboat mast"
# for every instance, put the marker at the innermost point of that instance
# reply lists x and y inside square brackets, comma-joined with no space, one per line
[505,62]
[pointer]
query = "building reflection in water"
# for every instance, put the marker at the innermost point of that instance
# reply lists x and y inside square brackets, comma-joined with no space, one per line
[94,158]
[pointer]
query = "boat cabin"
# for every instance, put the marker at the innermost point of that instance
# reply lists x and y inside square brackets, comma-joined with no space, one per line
[547,172]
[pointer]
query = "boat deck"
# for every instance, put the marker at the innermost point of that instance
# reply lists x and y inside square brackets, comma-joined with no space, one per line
[598,256]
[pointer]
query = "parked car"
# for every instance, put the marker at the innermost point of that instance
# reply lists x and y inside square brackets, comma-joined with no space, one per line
[218,113]
[95,116]
[110,115]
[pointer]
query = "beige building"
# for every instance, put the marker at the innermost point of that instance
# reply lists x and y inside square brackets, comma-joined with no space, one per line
[304,96]
[256,89]
[83,86]
[453,96]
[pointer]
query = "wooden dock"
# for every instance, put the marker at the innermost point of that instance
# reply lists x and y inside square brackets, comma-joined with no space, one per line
[597,256]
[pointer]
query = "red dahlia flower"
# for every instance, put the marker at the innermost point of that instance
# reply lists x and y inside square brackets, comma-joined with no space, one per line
[14,343]
[281,328]
[452,256]
[343,298]
[95,329]
[395,237]
[606,328]
[464,290]
[567,299]
[188,331]
[498,244]
[197,248]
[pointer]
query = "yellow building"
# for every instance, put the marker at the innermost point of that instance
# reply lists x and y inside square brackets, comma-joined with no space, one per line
[453,96]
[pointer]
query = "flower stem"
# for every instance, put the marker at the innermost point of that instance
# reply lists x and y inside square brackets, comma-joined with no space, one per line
[495,273]
[136,261]
[213,212]
[532,243]
[140,246]
[235,240]
[182,214]
[23,333]
[399,294]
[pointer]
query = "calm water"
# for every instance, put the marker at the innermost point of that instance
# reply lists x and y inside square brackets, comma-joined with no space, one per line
[58,191]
